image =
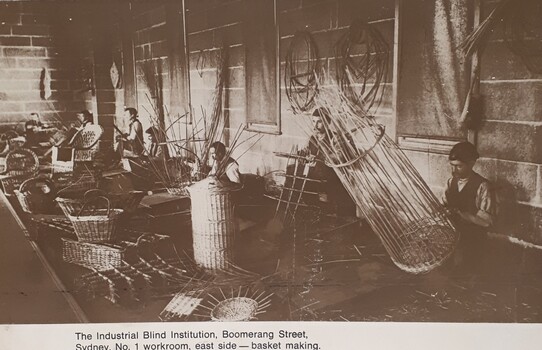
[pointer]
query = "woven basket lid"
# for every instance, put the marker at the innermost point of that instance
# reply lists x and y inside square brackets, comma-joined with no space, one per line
[212,184]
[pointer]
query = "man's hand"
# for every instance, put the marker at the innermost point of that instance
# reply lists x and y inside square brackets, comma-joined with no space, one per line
[311,160]
[453,213]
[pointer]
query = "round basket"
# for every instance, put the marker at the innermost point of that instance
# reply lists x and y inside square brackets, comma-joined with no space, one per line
[235,309]
[88,137]
[95,225]
[415,257]
[21,161]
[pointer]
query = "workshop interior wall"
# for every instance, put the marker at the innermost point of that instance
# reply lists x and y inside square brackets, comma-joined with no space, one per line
[35,36]
[509,140]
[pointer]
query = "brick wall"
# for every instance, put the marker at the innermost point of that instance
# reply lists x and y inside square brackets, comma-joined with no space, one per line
[34,36]
[511,138]
[210,24]
[509,141]
[151,55]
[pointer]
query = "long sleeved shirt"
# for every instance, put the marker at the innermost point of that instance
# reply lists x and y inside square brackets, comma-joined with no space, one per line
[486,206]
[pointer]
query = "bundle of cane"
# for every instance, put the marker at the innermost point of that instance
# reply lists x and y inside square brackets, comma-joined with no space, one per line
[392,196]
[215,128]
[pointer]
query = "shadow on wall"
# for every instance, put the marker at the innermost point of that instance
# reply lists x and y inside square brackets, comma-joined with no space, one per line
[511,217]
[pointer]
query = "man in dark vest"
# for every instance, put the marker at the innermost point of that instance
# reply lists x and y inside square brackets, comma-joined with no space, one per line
[229,166]
[322,142]
[471,201]
[133,139]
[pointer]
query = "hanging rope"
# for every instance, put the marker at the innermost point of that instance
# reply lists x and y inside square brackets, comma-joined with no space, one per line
[362,64]
[301,65]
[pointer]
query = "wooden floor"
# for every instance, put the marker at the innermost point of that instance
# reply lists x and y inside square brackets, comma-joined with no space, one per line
[30,291]
[337,270]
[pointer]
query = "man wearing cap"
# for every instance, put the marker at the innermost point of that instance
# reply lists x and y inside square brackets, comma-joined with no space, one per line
[322,142]
[470,199]
[134,138]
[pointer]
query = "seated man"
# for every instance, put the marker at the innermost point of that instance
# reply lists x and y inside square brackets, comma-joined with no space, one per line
[156,150]
[319,147]
[471,201]
[133,140]
[84,118]
[224,168]
[32,128]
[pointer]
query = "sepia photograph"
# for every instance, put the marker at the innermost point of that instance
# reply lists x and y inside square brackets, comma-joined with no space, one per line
[367,161]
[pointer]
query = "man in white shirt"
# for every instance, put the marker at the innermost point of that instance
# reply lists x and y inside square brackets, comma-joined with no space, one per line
[222,167]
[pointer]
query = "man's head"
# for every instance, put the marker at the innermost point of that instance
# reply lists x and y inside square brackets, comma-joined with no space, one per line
[84,116]
[217,151]
[462,158]
[152,134]
[130,112]
[320,120]
[35,117]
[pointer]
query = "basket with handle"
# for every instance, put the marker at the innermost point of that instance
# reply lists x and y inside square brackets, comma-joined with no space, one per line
[95,225]
[70,184]
[72,202]
[35,195]
[128,201]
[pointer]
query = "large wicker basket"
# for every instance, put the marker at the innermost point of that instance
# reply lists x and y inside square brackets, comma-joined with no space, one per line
[213,223]
[101,256]
[95,225]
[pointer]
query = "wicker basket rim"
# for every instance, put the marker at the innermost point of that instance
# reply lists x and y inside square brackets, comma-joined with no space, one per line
[113,213]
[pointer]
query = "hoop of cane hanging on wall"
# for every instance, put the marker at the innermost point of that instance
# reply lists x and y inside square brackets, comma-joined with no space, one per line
[301,66]
[362,61]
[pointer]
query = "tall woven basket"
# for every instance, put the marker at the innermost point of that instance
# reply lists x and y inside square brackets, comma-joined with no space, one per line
[213,223]
[387,188]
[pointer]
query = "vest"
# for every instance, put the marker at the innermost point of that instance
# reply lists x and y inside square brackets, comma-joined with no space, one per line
[465,200]
[137,144]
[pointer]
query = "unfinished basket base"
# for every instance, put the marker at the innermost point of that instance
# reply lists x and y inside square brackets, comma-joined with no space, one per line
[235,309]
[417,261]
